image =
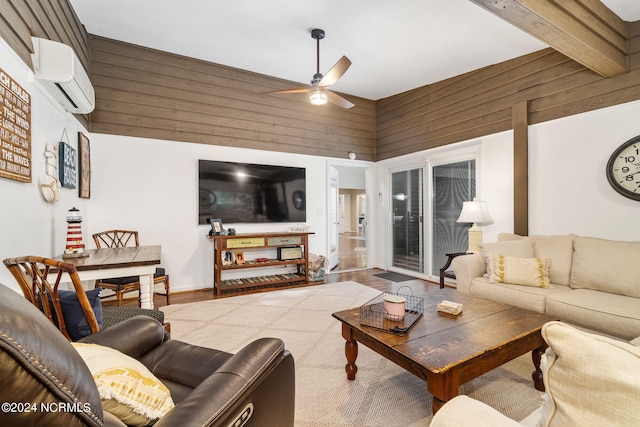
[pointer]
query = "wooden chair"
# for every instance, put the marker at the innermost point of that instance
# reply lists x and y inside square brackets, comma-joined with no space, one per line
[122,285]
[39,279]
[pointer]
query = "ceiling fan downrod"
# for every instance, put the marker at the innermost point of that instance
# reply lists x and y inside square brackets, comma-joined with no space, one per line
[318,35]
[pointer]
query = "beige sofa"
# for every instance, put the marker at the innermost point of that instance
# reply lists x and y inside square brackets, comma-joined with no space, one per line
[589,381]
[589,282]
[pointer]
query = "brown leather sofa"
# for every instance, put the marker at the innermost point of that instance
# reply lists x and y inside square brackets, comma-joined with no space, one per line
[38,365]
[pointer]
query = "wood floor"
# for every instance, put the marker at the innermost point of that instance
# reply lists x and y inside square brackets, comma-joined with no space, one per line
[352,252]
[365,277]
[352,263]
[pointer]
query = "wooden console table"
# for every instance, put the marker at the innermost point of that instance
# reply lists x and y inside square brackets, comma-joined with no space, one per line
[248,245]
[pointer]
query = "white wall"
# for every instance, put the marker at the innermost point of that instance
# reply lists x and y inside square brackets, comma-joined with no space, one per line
[151,186]
[568,188]
[28,224]
[351,177]
[496,182]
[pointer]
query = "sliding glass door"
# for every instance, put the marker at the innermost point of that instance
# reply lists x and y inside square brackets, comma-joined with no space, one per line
[407,214]
[453,184]
[425,202]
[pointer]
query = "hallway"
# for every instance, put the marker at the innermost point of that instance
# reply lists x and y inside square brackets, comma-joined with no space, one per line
[353,252]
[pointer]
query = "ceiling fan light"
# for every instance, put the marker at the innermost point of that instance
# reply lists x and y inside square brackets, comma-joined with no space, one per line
[318,97]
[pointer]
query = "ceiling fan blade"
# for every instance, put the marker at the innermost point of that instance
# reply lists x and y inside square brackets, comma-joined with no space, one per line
[338,100]
[335,72]
[298,90]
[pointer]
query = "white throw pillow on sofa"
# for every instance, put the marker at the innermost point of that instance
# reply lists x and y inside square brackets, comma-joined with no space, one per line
[518,271]
[558,248]
[590,379]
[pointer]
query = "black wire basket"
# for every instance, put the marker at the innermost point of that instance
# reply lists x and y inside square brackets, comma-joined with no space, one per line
[374,314]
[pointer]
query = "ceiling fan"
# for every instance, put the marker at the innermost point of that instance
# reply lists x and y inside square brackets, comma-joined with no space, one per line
[319,93]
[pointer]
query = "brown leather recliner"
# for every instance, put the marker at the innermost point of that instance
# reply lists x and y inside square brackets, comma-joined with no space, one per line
[38,366]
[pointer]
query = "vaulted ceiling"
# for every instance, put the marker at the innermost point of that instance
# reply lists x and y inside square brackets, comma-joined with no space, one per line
[395,46]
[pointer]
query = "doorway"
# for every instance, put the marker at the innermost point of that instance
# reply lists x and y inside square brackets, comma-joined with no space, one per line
[424,202]
[344,207]
[348,217]
[407,231]
[453,183]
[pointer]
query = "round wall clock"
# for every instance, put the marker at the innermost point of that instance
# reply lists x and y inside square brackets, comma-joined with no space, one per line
[623,169]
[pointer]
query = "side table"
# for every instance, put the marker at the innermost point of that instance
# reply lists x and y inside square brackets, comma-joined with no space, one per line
[443,271]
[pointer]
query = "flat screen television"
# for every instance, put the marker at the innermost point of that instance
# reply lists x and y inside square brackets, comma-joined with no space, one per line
[251,193]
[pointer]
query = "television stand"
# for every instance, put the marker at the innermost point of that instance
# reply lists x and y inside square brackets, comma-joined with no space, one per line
[287,252]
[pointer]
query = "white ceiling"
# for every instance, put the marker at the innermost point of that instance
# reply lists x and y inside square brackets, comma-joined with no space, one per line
[395,45]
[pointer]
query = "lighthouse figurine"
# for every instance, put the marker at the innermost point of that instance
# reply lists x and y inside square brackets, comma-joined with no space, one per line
[74,247]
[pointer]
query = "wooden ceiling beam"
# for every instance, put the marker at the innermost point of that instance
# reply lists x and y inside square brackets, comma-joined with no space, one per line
[584,30]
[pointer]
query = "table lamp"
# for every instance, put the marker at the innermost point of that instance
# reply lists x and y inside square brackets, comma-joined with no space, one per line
[475,212]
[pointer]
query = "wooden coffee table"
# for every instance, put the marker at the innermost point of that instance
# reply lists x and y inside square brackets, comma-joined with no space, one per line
[446,350]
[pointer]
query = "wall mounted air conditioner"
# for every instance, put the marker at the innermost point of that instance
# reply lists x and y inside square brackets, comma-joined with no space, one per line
[59,70]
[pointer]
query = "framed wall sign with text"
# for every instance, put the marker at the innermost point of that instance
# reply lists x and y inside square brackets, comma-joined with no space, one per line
[15,130]
[67,166]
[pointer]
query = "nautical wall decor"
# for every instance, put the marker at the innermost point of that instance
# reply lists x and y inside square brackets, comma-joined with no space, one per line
[15,130]
[68,165]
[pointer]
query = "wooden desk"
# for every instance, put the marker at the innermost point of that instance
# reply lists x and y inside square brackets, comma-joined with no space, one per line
[121,262]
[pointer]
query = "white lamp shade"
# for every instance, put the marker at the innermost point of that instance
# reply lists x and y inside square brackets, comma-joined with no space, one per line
[475,212]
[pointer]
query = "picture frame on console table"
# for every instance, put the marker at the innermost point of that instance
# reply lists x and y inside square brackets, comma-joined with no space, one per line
[216,227]
[228,258]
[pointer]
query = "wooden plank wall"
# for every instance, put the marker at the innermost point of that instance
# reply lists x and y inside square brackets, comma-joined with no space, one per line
[153,94]
[480,102]
[634,45]
[53,20]
[147,93]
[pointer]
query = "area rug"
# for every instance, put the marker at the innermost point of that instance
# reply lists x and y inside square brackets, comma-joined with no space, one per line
[383,394]
[394,277]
